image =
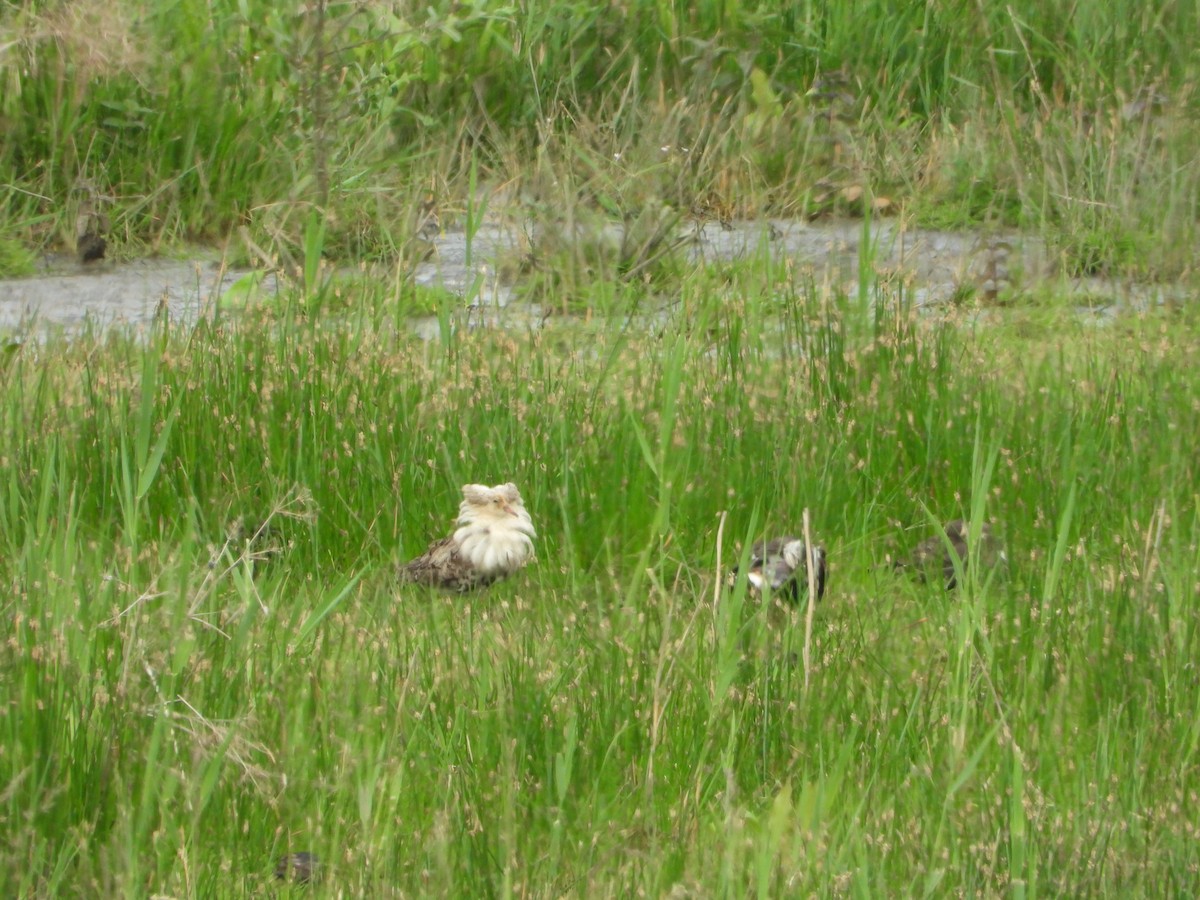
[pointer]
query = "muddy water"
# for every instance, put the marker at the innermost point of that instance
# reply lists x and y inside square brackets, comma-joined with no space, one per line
[69,296]
[936,262]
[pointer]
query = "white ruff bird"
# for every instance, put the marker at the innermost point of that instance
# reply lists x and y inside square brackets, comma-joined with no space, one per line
[493,540]
[781,567]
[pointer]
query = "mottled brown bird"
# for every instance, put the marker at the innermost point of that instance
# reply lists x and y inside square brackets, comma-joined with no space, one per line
[780,566]
[91,225]
[300,868]
[933,554]
[494,539]
[91,247]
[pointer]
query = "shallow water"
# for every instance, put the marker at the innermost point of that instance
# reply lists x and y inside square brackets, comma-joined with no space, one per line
[934,264]
[69,296]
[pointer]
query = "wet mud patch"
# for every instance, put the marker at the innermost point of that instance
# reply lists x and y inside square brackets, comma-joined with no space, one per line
[72,296]
[936,268]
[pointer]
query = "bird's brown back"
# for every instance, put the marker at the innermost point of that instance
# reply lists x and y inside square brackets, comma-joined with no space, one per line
[932,553]
[442,567]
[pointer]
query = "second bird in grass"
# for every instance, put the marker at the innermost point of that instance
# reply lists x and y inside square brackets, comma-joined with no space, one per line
[780,566]
[300,868]
[494,539]
[933,554]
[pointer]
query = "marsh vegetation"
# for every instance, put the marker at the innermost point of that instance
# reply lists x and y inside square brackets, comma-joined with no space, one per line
[210,669]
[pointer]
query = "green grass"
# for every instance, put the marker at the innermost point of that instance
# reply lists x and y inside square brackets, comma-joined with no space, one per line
[207,661]
[211,119]
[609,722]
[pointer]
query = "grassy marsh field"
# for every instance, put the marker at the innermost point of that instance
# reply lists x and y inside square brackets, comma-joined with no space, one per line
[208,662]
[609,722]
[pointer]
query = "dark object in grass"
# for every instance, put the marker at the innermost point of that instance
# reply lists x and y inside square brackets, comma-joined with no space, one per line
[933,554]
[91,224]
[780,567]
[299,868]
[91,246]
[493,540]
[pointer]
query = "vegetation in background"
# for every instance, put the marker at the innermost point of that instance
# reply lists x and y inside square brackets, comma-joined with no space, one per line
[204,119]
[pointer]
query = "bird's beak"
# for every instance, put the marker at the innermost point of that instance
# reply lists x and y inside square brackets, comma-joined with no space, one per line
[508,509]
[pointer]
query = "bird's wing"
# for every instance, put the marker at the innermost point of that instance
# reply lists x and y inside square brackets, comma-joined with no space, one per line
[443,567]
[768,551]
